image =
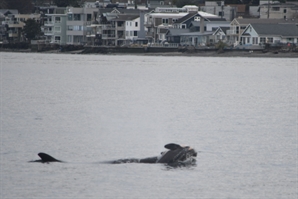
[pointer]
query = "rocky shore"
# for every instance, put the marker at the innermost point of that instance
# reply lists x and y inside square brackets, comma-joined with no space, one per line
[159,52]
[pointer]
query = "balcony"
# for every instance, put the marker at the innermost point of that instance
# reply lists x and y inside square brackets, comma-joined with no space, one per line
[90,34]
[149,34]
[120,27]
[15,24]
[12,34]
[231,32]
[48,32]
[148,24]
[48,23]
[108,36]
[108,27]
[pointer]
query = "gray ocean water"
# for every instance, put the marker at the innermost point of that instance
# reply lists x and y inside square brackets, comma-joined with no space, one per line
[240,114]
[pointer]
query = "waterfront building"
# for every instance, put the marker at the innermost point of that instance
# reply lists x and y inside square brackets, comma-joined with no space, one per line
[14,24]
[55,27]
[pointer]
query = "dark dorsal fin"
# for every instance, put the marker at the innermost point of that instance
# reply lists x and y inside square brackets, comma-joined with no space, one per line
[173,146]
[47,158]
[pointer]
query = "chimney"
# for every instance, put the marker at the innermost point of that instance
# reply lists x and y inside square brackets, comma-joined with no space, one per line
[202,24]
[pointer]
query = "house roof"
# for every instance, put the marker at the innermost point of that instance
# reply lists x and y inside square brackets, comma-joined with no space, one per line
[176,31]
[207,15]
[276,29]
[224,29]
[185,18]
[8,11]
[216,19]
[197,23]
[125,17]
[263,21]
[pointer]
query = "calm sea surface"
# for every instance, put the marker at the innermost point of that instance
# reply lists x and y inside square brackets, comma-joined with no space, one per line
[239,113]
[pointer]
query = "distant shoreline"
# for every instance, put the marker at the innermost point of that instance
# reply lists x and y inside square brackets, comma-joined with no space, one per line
[235,53]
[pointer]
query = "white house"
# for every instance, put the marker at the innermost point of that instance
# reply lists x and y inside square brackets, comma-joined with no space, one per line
[132,27]
[257,34]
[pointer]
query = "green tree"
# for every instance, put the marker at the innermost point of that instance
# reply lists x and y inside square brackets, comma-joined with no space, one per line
[64,3]
[23,6]
[3,4]
[31,29]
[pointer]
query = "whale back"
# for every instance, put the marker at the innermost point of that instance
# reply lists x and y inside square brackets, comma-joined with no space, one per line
[176,153]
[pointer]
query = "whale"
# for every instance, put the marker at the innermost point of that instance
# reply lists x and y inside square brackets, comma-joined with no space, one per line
[176,155]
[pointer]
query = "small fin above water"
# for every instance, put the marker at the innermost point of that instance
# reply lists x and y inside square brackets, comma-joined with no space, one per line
[46,158]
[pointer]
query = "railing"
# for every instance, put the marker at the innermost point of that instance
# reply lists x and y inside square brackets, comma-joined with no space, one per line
[148,24]
[13,34]
[165,45]
[120,27]
[108,36]
[48,32]
[108,27]
[149,34]
[231,32]
[48,23]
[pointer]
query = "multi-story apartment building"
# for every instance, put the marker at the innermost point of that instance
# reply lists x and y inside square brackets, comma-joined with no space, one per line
[55,27]
[285,11]
[219,8]
[68,25]
[77,21]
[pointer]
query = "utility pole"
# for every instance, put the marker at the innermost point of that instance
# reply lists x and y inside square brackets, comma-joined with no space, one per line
[268,9]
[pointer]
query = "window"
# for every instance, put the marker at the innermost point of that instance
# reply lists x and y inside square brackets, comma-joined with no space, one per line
[254,40]
[269,40]
[126,33]
[285,10]
[69,17]
[183,26]
[262,40]
[79,28]
[69,27]
[275,9]
[135,33]
[69,39]
[165,21]
[77,17]
[57,38]
[88,17]
[248,40]
[57,19]
[136,24]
